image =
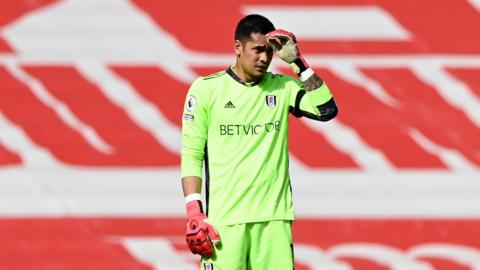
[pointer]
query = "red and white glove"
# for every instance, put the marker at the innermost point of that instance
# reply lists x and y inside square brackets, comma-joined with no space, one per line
[200,234]
[286,46]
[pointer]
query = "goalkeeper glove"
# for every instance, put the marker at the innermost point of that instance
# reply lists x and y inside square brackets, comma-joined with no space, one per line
[200,234]
[286,46]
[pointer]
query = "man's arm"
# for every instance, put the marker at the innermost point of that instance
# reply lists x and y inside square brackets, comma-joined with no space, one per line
[319,103]
[191,185]
[200,234]
[327,110]
[312,83]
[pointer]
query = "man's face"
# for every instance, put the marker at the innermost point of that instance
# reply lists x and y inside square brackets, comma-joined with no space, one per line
[254,56]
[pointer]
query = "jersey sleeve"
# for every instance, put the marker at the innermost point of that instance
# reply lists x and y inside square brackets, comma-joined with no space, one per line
[194,129]
[317,104]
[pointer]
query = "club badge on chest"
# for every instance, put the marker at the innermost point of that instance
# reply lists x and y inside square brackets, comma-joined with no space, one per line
[271,101]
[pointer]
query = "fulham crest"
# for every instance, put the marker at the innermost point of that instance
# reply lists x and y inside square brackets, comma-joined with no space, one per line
[271,101]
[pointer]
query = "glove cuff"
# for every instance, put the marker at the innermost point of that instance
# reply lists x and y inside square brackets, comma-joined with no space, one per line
[306,74]
[193,197]
[299,65]
[194,208]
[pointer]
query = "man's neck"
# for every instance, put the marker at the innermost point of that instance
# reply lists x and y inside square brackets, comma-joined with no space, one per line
[244,76]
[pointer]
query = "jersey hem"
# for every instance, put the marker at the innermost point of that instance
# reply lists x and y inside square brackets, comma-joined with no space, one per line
[254,220]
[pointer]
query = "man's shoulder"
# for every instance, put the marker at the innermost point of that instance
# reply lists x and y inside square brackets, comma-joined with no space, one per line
[217,75]
[205,82]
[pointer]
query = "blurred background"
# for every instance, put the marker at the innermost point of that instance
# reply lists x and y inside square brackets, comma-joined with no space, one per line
[91,97]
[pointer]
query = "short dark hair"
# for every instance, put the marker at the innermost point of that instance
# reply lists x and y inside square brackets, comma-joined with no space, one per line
[252,23]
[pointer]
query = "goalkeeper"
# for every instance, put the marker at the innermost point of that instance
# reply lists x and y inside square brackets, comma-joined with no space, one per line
[236,122]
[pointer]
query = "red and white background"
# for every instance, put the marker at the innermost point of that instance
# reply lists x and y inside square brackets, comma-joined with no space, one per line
[91,94]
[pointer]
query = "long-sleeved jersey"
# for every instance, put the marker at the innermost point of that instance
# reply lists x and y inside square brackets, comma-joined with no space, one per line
[240,131]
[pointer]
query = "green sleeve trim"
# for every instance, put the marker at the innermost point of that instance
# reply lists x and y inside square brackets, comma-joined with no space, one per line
[320,95]
[191,167]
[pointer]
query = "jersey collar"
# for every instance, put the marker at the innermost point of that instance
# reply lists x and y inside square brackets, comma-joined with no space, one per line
[232,74]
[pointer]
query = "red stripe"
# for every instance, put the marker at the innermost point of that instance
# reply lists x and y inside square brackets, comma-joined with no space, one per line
[313,150]
[40,123]
[362,47]
[426,21]
[223,18]
[8,157]
[470,76]
[206,71]
[399,233]
[72,243]
[154,84]
[420,17]
[75,265]
[4,47]
[11,11]
[164,226]
[424,109]
[379,125]
[51,250]
[301,266]
[133,146]
[46,129]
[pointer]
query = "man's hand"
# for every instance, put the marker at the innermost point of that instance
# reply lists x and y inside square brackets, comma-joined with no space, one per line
[200,234]
[286,46]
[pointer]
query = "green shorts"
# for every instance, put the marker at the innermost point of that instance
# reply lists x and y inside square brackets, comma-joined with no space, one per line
[253,246]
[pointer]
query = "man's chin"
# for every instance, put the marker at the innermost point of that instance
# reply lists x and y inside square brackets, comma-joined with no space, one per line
[259,72]
[258,76]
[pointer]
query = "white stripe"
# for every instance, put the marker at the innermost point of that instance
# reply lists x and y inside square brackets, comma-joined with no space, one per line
[475,4]
[333,22]
[317,193]
[389,60]
[15,139]
[352,75]
[141,110]
[107,30]
[452,158]
[207,59]
[20,193]
[316,259]
[395,258]
[397,194]
[453,91]
[346,140]
[62,110]
[459,254]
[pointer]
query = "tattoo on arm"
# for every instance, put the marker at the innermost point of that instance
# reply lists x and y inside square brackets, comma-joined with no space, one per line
[313,82]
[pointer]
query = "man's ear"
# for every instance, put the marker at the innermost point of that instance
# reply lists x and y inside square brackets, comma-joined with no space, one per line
[238,46]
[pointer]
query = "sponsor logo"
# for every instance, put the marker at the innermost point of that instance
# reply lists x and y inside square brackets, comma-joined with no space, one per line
[191,103]
[271,101]
[249,129]
[229,105]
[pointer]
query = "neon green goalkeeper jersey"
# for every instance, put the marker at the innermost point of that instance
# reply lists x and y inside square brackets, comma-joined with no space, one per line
[240,131]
